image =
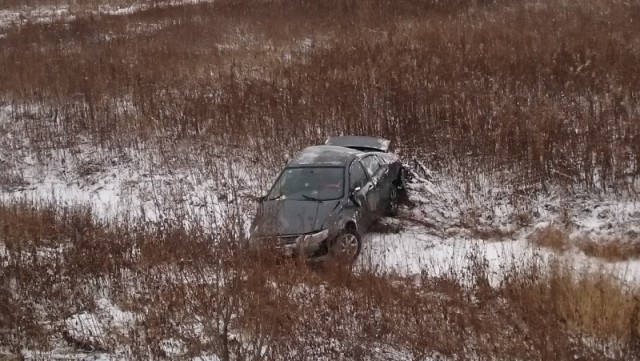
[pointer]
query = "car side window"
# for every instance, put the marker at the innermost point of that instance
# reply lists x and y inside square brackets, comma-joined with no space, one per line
[381,160]
[357,176]
[371,164]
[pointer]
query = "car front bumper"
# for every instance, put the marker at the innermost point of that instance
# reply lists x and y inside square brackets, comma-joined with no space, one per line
[306,244]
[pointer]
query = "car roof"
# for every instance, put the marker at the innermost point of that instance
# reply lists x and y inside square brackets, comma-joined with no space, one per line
[360,142]
[324,156]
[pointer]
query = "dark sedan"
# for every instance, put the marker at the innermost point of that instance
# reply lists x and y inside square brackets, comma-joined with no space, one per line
[328,196]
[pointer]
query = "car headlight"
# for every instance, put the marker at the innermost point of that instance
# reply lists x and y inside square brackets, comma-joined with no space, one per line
[315,238]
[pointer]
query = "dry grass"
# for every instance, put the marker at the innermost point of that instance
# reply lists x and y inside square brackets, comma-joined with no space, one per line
[590,304]
[211,297]
[552,238]
[613,249]
[79,5]
[545,90]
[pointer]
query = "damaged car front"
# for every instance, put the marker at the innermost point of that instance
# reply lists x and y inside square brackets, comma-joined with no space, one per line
[305,211]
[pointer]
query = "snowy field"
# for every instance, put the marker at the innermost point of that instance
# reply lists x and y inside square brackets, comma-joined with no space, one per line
[451,222]
[431,237]
[435,233]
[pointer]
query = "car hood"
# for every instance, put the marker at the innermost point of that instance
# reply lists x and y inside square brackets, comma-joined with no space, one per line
[284,217]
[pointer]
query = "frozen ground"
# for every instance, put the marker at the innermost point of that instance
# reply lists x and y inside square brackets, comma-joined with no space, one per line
[445,225]
[435,234]
[444,231]
[446,222]
[433,237]
[448,226]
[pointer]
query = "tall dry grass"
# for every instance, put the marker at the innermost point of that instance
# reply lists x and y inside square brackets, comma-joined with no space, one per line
[612,248]
[82,6]
[542,91]
[203,294]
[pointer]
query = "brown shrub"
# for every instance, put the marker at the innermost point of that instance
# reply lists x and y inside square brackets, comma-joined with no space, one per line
[582,302]
[225,301]
[551,237]
[616,249]
[547,91]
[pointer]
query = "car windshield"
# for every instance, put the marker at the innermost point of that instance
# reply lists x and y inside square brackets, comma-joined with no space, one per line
[308,183]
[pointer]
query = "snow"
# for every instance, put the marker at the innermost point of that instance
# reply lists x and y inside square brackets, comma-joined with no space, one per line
[63,12]
[608,217]
[92,329]
[206,357]
[447,230]
[131,185]
[413,252]
[437,234]
[172,347]
[85,326]
[426,240]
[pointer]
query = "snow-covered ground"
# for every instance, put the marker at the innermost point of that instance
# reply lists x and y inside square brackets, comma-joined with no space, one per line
[447,220]
[435,234]
[447,226]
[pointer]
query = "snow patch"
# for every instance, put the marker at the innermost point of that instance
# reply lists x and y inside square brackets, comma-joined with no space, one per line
[90,330]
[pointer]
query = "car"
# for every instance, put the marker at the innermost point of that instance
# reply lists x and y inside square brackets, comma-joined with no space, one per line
[328,196]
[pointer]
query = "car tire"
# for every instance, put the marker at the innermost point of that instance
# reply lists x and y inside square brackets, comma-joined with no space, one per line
[394,201]
[347,245]
[401,184]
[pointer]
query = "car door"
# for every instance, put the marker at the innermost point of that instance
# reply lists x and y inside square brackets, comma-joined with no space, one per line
[385,181]
[361,187]
[376,174]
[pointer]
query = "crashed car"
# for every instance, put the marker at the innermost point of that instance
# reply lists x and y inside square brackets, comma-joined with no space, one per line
[327,197]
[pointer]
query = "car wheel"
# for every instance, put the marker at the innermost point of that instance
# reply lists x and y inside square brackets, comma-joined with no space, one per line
[401,183]
[347,245]
[392,208]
